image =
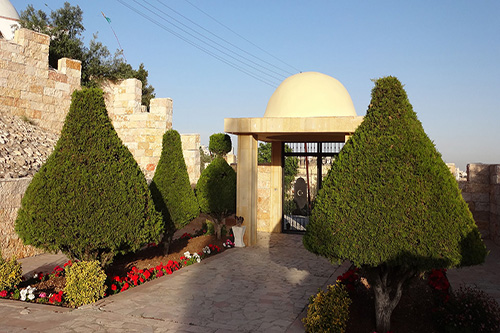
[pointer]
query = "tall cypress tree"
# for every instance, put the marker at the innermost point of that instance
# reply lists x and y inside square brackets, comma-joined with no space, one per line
[90,199]
[390,205]
[170,187]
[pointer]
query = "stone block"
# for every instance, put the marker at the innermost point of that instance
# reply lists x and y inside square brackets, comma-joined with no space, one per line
[477,187]
[481,197]
[57,76]
[478,173]
[482,206]
[143,145]
[467,196]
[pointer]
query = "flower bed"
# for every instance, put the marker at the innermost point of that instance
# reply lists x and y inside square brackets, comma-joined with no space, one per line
[129,271]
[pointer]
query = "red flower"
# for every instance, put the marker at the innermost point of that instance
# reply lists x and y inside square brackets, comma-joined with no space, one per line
[125,286]
[113,287]
[3,293]
[147,275]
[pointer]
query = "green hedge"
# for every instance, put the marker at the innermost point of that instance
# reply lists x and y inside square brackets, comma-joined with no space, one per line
[90,199]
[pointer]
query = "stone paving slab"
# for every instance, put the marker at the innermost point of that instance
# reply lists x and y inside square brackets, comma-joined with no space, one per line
[486,276]
[263,288]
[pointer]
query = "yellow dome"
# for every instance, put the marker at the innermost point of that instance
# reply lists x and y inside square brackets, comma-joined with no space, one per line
[310,94]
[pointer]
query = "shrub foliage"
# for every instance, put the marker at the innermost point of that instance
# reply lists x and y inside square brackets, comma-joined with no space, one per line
[220,144]
[10,273]
[469,310]
[90,199]
[389,203]
[171,189]
[216,192]
[328,311]
[85,283]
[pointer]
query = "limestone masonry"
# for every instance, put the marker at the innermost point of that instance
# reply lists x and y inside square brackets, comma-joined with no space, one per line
[28,87]
[34,102]
[481,191]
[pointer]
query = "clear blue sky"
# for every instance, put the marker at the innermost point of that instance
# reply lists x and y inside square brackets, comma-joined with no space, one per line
[446,53]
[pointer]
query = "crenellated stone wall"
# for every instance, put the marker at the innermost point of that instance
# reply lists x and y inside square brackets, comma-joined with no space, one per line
[41,96]
[28,87]
[141,131]
[481,191]
[191,152]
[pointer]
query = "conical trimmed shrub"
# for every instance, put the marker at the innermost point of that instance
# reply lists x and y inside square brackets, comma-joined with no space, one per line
[171,189]
[90,199]
[389,203]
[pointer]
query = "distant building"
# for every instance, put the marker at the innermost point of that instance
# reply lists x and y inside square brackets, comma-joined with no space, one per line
[9,20]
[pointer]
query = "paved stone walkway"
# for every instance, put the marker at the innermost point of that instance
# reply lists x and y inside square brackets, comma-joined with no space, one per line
[263,288]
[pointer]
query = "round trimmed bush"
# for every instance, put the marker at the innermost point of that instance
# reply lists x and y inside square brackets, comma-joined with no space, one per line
[328,311]
[90,199]
[85,283]
[220,144]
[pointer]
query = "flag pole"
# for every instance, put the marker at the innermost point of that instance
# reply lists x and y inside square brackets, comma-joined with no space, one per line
[109,21]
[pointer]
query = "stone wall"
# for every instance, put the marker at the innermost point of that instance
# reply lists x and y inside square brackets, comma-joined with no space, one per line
[28,87]
[481,191]
[191,152]
[264,198]
[11,193]
[141,131]
[42,96]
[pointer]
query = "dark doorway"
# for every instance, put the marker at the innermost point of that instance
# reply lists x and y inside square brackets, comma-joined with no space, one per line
[304,166]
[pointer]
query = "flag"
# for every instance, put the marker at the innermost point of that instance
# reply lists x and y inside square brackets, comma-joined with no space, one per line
[107,18]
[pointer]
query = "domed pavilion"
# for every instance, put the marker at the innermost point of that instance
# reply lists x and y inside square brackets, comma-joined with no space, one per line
[309,117]
[9,20]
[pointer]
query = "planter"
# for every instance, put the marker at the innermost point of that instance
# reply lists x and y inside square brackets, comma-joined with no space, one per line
[238,233]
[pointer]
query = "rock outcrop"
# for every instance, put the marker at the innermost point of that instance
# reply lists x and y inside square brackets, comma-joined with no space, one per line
[24,147]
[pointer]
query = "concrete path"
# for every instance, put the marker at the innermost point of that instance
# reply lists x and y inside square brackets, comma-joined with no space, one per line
[263,288]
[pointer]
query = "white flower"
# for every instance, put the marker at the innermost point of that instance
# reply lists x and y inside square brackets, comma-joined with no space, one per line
[23,294]
[196,256]
[31,297]
[206,250]
[187,254]
[35,276]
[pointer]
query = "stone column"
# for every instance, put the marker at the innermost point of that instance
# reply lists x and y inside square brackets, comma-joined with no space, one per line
[191,152]
[246,186]
[276,210]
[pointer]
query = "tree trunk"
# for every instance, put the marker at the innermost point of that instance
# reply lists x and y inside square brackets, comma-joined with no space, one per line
[165,243]
[387,283]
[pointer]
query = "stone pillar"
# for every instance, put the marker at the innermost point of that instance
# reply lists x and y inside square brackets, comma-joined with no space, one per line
[191,152]
[246,186]
[276,211]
